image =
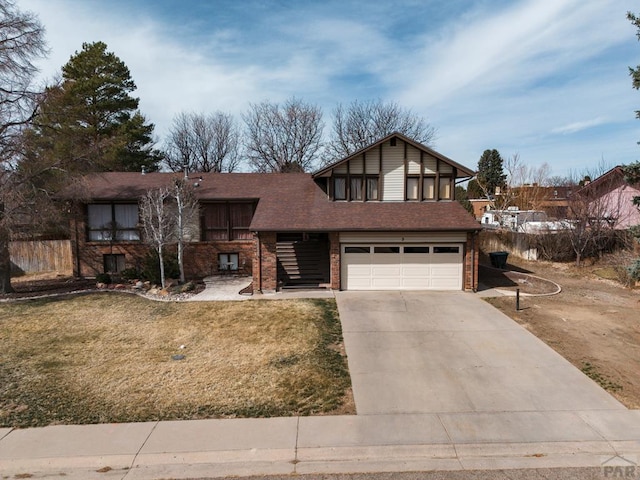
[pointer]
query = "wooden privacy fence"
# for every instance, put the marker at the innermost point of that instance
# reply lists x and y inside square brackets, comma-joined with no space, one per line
[41,256]
[521,245]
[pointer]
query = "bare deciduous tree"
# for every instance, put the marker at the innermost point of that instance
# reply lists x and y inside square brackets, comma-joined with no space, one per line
[187,214]
[595,214]
[21,42]
[283,138]
[158,222]
[501,197]
[362,123]
[203,143]
[529,183]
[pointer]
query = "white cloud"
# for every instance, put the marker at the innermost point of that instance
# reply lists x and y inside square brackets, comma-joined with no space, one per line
[508,49]
[578,126]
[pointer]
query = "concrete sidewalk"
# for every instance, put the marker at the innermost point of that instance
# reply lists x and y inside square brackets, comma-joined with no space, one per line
[341,444]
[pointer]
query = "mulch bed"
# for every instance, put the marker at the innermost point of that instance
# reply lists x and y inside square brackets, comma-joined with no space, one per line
[32,288]
[67,285]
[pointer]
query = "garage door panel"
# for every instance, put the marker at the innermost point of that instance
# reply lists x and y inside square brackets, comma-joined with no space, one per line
[397,266]
[386,283]
[386,270]
[445,270]
[420,271]
[416,283]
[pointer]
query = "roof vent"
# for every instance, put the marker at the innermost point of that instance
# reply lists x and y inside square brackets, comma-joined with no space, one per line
[143,170]
[392,142]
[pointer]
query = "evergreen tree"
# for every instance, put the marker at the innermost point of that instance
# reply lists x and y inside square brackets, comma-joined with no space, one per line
[474,190]
[463,198]
[89,121]
[491,174]
[633,170]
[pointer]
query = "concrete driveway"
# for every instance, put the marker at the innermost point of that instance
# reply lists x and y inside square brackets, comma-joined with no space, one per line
[451,352]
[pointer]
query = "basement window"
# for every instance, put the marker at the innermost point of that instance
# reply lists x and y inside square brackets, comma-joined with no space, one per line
[228,262]
[113,263]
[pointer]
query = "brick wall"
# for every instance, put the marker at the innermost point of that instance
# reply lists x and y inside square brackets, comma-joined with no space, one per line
[334,260]
[200,258]
[470,268]
[265,272]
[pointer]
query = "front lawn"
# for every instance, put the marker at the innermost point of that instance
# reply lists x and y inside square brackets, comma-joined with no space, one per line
[104,358]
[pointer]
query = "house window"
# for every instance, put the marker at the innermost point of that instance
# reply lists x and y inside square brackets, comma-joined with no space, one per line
[339,188]
[429,188]
[372,188]
[113,222]
[113,263]
[228,261]
[412,188]
[445,188]
[356,189]
[227,221]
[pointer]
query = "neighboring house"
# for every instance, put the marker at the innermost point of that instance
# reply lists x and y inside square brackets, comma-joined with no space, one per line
[480,206]
[384,218]
[609,198]
[512,218]
[551,200]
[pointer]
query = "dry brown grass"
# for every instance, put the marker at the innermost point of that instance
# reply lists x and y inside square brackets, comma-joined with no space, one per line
[108,358]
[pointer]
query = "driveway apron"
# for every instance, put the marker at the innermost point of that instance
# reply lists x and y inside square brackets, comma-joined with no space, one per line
[451,352]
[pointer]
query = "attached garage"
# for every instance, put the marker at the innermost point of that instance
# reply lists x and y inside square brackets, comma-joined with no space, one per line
[402,267]
[409,263]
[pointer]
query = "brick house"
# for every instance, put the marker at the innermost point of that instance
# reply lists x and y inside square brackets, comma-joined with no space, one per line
[382,218]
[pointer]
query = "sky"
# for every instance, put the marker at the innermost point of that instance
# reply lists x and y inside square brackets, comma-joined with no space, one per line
[545,79]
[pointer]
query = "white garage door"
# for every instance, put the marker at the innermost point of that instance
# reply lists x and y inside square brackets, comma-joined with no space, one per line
[401,267]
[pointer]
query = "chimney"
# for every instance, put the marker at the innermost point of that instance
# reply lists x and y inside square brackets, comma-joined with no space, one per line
[186,170]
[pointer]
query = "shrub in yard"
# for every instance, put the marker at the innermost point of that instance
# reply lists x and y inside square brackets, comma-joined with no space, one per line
[634,270]
[129,274]
[103,278]
[187,287]
[151,267]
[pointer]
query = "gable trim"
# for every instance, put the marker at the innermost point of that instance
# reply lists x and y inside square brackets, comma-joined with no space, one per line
[423,148]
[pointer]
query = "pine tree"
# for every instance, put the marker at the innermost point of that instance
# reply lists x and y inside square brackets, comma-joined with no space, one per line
[89,121]
[491,174]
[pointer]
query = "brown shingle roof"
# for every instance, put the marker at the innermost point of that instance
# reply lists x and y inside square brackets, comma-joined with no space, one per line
[290,202]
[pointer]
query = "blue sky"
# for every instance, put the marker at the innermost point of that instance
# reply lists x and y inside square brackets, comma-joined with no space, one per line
[546,79]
